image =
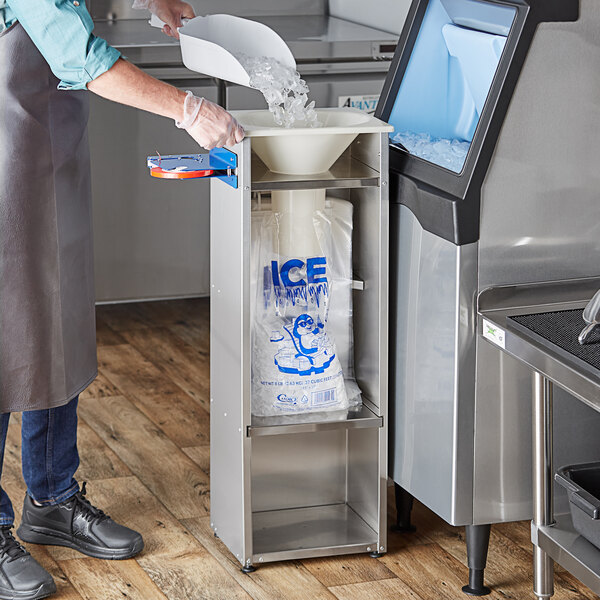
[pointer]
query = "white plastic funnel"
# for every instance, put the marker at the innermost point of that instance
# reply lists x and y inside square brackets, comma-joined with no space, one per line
[306,150]
[303,151]
[210,45]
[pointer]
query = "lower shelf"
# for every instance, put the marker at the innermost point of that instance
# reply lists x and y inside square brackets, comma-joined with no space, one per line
[310,532]
[571,551]
[358,418]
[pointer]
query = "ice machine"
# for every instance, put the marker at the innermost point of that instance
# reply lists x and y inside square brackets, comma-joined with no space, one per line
[493,182]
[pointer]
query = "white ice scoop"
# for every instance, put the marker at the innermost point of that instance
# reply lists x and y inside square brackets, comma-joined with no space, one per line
[211,45]
[591,315]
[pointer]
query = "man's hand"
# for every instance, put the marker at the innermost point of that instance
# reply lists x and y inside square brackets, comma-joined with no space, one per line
[215,127]
[169,11]
[210,125]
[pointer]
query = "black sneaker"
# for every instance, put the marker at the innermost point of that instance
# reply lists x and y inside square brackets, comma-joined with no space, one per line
[77,524]
[21,576]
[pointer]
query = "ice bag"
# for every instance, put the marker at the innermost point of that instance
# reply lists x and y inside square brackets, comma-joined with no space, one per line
[303,306]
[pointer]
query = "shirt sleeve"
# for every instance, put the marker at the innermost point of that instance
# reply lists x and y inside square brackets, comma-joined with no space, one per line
[62,32]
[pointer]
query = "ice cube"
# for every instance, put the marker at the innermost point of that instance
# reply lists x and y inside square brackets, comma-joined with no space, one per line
[285,92]
[441,151]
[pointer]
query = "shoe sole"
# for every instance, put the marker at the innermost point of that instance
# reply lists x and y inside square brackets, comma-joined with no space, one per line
[45,590]
[48,537]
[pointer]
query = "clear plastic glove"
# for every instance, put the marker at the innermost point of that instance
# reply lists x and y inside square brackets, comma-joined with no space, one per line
[209,124]
[169,11]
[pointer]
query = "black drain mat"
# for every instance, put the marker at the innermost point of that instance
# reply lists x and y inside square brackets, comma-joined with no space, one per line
[559,331]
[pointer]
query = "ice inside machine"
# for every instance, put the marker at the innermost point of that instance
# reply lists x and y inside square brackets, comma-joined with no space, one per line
[448,78]
[482,197]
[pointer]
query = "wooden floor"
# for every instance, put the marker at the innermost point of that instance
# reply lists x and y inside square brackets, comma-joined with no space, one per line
[143,436]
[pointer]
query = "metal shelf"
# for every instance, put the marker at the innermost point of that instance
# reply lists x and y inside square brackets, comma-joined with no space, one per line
[299,423]
[540,356]
[304,485]
[310,532]
[347,172]
[570,550]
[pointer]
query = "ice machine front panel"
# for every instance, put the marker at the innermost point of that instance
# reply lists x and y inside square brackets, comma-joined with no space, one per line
[448,77]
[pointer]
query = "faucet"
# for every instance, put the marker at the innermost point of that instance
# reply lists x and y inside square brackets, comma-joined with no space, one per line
[591,315]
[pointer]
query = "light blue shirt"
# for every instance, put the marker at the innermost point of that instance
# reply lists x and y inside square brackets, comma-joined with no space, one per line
[62,32]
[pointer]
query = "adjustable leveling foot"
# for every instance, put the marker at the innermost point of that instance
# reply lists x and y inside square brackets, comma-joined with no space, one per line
[478,541]
[404,504]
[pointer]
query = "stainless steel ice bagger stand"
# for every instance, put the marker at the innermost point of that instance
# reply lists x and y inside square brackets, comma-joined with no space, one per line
[512,78]
[301,486]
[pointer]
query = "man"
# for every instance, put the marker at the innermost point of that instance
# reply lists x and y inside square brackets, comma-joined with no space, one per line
[48,57]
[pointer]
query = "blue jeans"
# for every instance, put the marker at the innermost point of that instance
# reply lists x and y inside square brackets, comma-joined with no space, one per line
[48,454]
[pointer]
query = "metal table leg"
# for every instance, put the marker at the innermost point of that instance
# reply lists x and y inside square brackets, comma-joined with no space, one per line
[543,509]
[221,93]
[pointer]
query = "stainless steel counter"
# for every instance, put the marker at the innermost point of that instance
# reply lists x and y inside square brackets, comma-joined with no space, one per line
[310,38]
[498,304]
[554,539]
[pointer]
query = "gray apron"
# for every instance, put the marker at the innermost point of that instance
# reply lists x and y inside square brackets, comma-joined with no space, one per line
[47,325]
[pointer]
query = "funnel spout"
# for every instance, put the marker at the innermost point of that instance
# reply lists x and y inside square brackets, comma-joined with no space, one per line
[296,233]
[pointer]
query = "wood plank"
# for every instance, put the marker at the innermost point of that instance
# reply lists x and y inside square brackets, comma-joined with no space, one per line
[430,572]
[434,572]
[343,570]
[422,519]
[101,387]
[505,555]
[196,335]
[386,589]
[105,335]
[200,455]
[289,579]
[433,528]
[171,475]
[193,576]
[97,460]
[123,317]
[520,533]
[510,564]
[187,311]
[568,584]
[65,590]
[183,419]
[509,568]
[138,315]
[187,366]
[110,580]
